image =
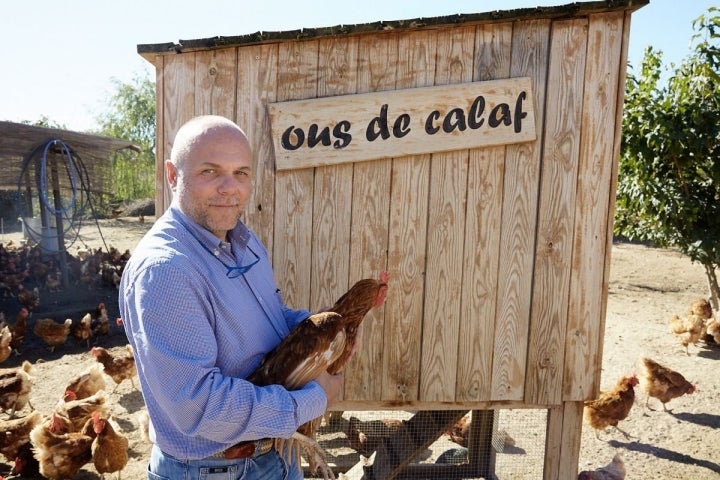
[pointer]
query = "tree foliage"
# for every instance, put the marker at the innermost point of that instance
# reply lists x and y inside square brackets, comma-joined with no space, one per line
[669,174]
[131,116]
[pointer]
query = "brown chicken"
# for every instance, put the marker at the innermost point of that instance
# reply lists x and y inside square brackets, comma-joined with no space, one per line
[322,336]
[25,464]
[322,342]
[83,329]
[16,433]
[712,331]
[19,330]
[366,437]
[53,282]
[118,365]
[60,453]
[51,332]
[611,406]
[663,383]
[100,321]
[702,308]
[79,411]
[29,299]
[691,328]
[5,339]
[458,433]
[88,382]
[615,470]
[15,388]
[110,448]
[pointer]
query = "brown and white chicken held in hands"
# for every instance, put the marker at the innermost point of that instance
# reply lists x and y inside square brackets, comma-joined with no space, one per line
[322,342]
[663,383]
[611,406]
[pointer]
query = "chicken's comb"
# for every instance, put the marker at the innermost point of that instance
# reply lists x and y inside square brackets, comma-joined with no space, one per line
[384,276]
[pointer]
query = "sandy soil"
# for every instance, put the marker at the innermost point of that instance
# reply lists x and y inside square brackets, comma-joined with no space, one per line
[647,286]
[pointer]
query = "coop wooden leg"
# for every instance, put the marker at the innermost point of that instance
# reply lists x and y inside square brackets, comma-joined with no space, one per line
[481,453]
[562,441]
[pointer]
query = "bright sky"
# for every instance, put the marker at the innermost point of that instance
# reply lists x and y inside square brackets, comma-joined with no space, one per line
[59,59]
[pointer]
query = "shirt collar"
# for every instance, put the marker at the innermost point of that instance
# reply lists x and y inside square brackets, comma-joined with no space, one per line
[239,236]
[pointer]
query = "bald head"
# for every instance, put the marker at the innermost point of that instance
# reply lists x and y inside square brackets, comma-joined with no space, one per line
[210,172]
[198,131]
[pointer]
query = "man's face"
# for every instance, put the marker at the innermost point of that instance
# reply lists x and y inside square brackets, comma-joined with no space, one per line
[213,182]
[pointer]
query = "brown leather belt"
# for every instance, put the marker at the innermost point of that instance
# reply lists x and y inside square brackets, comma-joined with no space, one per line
[247,449]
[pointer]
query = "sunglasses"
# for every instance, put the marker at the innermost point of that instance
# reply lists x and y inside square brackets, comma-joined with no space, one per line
[234,272]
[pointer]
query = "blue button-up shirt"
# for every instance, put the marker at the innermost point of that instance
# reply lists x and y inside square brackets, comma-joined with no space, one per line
[197,334]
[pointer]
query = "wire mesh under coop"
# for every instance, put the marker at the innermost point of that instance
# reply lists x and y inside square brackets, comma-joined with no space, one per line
[503,444]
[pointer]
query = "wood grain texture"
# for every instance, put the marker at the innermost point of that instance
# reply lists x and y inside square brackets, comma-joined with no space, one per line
[407,237]
[178,103]
[370,214]
[556,210]
[215,81]
[256,86]
[517,232]
[491,250]
[486,167]
[446,224]
[333,196]
[162,194]
[591,251]
[292,230]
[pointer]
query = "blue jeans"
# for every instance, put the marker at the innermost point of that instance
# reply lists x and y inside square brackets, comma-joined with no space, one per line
[270,466]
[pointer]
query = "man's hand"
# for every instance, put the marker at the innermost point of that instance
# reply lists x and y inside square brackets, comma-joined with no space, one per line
[332,384]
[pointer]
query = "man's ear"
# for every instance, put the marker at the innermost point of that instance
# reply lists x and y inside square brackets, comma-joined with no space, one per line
[171,173]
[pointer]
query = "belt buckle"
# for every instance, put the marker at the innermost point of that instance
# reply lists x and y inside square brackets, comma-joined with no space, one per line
[240,450]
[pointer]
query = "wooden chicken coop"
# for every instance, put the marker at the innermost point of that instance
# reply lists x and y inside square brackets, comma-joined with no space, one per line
[474,157]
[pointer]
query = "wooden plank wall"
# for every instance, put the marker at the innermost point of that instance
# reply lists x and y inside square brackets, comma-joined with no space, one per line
[497,256]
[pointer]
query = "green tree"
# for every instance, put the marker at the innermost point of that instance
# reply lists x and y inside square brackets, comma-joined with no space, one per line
[131,116]
[44,121]
[669,173]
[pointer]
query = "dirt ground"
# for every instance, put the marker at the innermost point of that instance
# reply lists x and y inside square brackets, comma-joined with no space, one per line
[647,286]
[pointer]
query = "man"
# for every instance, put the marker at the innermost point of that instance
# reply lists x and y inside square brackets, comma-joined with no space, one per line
[201,308]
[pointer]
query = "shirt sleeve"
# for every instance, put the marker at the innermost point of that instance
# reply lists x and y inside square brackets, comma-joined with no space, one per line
[293,317]
[176,350]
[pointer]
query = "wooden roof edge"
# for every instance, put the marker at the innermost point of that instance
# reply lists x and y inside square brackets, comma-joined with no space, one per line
[11,130]
[149,51]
